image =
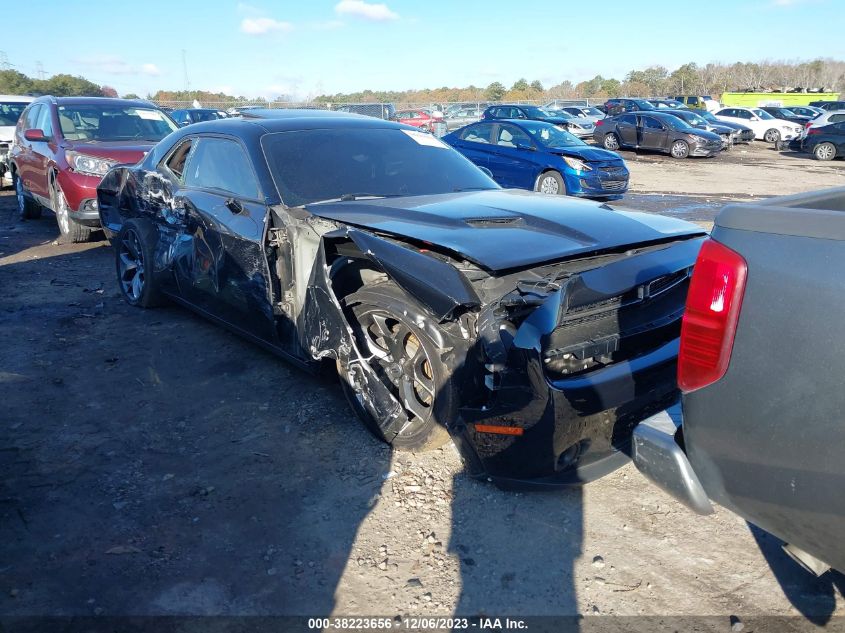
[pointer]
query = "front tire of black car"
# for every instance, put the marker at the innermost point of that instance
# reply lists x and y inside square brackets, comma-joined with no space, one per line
[134,250]
[611,142]
[824,151]
[28,209]
[550,182]
[680,149]
[406,360]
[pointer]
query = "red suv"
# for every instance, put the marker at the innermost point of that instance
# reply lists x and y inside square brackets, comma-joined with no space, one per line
[64,145]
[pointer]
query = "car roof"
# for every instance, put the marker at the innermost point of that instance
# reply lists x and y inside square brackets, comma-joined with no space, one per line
[17,98]
[137,103]
[258,123]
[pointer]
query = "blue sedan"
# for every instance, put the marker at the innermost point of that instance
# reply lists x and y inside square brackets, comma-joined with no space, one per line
[539,156]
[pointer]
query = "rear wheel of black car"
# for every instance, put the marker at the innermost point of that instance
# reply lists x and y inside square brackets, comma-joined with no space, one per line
[611,142]
[134,249]
[680,149]
[825,151]
[772,136]
[70,229]
[406,361]
[550,182]
[28,209]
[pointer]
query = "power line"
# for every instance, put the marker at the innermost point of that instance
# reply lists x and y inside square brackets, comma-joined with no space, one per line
[39,71]
[4,61]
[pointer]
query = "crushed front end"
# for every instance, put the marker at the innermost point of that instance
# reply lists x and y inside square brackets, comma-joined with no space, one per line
[574,356]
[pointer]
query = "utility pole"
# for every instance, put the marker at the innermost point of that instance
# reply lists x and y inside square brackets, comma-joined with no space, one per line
[4,61]
[185,70]
[39,70]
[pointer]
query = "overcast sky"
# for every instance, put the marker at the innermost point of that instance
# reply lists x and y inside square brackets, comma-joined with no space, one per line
[272,47]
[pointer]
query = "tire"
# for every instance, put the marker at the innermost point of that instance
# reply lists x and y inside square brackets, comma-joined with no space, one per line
[28,209]
[611,142]
[824,151]
[772,136]
[679,149]
[419,380]
[71,231]
[134,253]
[550,182]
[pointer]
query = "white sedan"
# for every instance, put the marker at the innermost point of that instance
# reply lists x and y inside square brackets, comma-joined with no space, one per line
[765,126]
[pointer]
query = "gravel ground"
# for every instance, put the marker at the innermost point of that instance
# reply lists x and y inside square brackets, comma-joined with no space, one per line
[152,463]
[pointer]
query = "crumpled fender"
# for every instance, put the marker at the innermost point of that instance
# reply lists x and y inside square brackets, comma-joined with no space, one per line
[325,333]
[435,284]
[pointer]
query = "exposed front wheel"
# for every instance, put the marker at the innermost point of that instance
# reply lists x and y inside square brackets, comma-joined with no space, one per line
[406,361]
[825,151]
[772,136]
[550,182]
[134,249]
[680,149]
[611,142]
[28,209]
[68,227]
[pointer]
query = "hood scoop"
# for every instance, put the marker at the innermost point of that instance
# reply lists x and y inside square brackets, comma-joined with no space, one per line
[494,222]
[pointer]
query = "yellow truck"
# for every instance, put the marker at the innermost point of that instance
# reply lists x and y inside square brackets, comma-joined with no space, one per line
[777,99]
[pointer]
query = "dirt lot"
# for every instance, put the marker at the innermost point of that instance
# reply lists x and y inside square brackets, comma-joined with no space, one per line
[152,463]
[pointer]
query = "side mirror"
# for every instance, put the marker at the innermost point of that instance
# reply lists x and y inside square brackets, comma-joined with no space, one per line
[35,136]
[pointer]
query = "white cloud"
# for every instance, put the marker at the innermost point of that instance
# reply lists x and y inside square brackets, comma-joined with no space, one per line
[366,10]
[264,26]
[116,65]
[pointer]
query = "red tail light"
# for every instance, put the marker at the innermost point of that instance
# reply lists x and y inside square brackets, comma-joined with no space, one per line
[711,315]
[814,130]
[600,122]
[808,124]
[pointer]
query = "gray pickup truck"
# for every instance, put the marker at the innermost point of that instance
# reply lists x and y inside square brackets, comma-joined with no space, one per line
[762,371]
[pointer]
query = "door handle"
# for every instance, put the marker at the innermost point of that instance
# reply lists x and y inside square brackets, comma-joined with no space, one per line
[234,206]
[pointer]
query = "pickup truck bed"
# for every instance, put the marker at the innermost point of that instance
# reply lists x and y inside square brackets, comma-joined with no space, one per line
[767,439]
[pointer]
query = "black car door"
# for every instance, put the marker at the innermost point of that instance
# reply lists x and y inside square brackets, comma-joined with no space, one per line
[626,125]
[220,266]
[652,133]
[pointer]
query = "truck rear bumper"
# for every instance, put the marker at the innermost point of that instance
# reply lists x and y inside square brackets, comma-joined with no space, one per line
[658,456]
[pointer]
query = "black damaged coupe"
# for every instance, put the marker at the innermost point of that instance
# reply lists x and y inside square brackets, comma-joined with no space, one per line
[534,330]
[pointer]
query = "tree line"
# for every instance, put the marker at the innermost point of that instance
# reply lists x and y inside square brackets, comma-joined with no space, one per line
[710,79]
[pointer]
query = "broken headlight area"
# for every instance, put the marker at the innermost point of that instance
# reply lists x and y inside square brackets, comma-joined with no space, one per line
[572,360]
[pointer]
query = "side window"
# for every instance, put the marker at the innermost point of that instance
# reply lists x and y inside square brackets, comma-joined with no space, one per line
[516,113]
[218,163]
[45,121]
[477,133]
[651,123]
[31,117]
[176,162]
[512,136]
[836,118]
[744,114]
[693,100]
[628,119]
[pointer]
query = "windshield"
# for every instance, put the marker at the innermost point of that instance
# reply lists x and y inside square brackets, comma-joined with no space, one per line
[709,116]
[694,119]
[317,165]
[550,135]
[558,114]
[534,111]
[643,104]
[97,122]
[205,115]
[762,114]
[785,112]
[11,112]
[592,111]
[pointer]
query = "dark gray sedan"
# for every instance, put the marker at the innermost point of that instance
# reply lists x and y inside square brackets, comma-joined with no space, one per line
[658,131]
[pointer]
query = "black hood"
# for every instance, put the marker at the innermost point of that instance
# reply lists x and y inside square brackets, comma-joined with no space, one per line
[503,229]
